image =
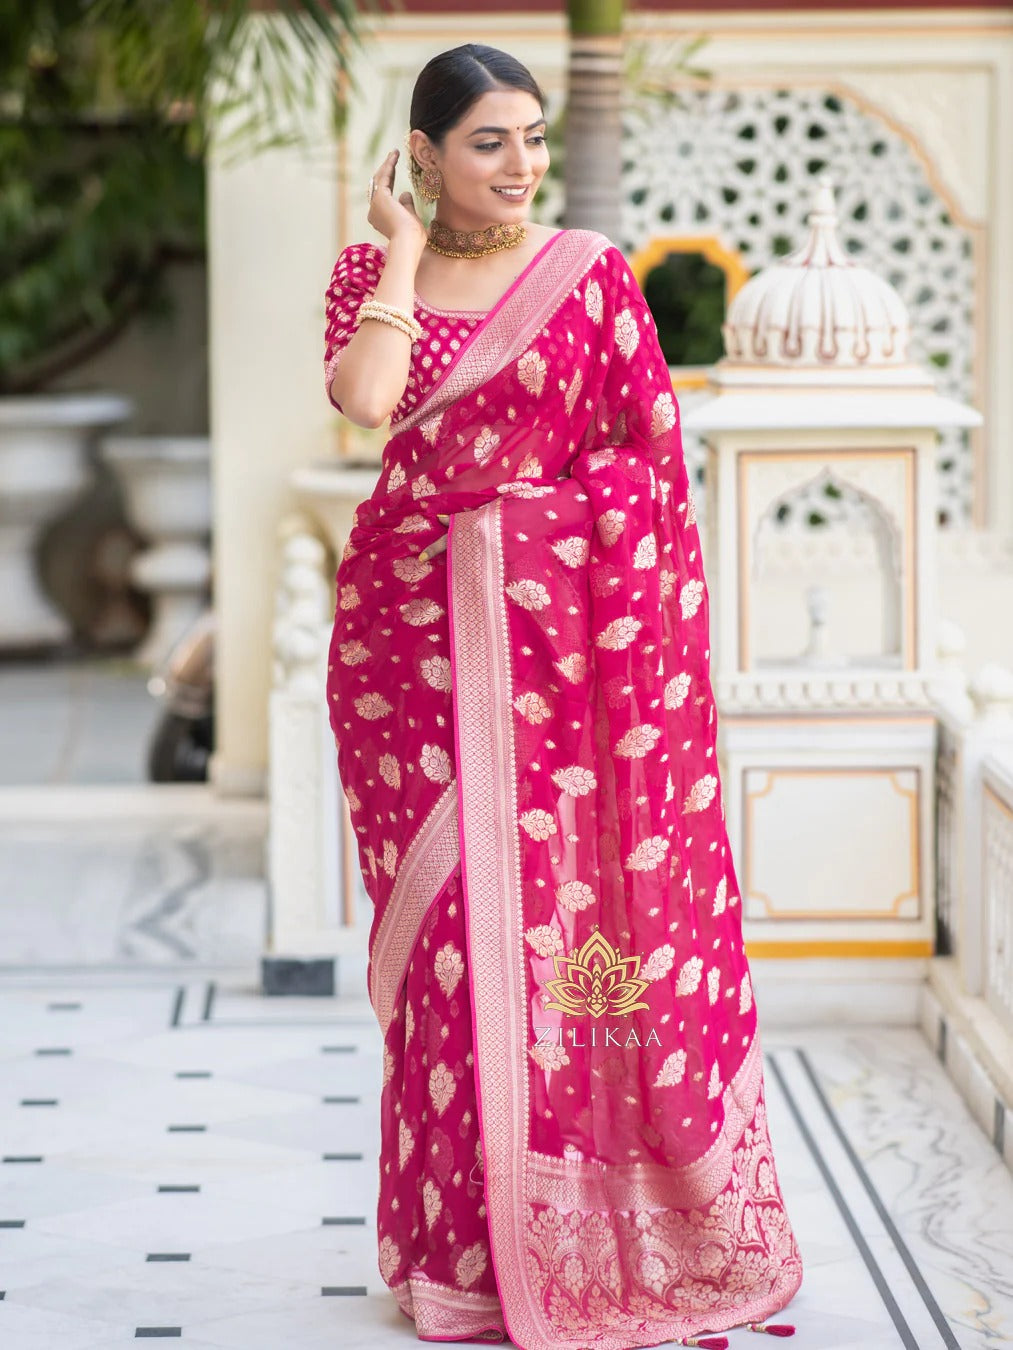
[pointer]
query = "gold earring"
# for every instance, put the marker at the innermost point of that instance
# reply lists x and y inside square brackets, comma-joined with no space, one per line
[427,183]
[432,185]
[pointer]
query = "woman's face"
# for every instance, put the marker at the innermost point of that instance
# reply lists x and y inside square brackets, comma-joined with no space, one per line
[499,144]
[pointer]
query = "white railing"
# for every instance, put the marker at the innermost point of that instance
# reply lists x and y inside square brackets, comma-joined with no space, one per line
[967,1006]
[312,873]
[318,904]
[997,885]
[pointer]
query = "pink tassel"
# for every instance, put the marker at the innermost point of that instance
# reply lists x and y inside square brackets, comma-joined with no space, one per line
[709,1342]
[773,1328]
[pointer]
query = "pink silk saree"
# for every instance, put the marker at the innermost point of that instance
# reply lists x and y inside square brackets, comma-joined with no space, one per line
[574,1148]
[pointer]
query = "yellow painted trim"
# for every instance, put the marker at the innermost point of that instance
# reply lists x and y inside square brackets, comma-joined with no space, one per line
[688,377]
[772,951]
[656,250]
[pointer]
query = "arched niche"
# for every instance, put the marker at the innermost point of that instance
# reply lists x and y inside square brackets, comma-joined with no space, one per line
[826,582]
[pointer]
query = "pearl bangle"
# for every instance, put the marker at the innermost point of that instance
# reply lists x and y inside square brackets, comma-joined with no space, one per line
[397,318]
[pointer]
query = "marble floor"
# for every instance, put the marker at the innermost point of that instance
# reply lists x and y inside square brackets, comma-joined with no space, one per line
[75,720]
[184,1159]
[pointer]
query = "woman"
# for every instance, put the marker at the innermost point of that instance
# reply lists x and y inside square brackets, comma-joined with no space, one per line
[574,1148]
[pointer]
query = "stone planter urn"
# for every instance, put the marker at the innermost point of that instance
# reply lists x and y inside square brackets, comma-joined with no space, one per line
[44,465]
[330,492]
[166,484]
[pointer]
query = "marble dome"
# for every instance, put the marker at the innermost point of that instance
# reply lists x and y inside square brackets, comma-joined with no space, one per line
[817,307]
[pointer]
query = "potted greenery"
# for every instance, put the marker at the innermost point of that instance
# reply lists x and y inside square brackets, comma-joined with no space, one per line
[106,114]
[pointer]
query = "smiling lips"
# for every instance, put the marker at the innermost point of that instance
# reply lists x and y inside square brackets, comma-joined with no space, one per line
[513,192]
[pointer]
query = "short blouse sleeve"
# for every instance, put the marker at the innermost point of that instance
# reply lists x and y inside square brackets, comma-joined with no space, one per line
[353,280]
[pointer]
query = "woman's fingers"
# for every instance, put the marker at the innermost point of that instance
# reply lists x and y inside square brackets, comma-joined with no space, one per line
[438,545]
[383,175]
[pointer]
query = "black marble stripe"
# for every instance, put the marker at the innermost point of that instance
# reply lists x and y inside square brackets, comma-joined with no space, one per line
[342,1219]
[333,1290]
[186,1129]
[167,1256]
[63,1007]
[342,1157]
[39,1101]
[54,1050]
[22,1157]
[12,1223]
[177,1006]
[917,1278]
[338,1049]
[209,1000]
[334,1101]
[857,1236]
[179,1190]
[142,1332]
[999,1126]
[193,1073]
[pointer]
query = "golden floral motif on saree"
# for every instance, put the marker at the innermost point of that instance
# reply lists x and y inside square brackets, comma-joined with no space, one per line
[573,551]
[528,594]
[638,742]
[531,370]
[538,824]
[617,635]
[627,333]
[572,667]
[448,966]
[676,689]
[701,794]
[594,302]
[663,414]
[442,1086]
[596,979]
[611,524]
[648,854]
[532,707]
[575,895]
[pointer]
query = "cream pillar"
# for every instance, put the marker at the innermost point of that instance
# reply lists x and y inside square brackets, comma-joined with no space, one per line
[271,245]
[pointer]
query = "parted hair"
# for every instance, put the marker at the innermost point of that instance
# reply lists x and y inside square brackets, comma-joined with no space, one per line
[454,80]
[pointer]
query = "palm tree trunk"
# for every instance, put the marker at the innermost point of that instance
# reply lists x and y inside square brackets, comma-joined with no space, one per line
[593,115]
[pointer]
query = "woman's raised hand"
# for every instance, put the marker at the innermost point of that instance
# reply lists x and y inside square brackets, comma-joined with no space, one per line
[394,215]
[438,545]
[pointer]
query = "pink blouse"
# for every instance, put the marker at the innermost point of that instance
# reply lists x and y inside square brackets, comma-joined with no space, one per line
[353,280]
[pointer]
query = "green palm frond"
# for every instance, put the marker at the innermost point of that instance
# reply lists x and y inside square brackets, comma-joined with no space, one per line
[108,110]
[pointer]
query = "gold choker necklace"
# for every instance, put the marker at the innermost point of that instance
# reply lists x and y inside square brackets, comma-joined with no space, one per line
[474,243]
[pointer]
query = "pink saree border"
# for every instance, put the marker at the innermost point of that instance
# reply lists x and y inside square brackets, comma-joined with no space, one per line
[425,869]
[513,321]
[491,883]
[441,1312]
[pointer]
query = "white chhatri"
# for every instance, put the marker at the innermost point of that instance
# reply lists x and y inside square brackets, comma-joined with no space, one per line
[817,306]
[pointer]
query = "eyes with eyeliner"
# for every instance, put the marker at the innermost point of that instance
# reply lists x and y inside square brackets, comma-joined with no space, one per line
[495,145]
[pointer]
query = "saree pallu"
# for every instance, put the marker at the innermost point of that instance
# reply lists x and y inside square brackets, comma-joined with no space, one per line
[574,1148]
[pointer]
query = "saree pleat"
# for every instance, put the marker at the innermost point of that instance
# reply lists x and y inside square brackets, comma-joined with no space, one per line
[432,1229]
[574,1147]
